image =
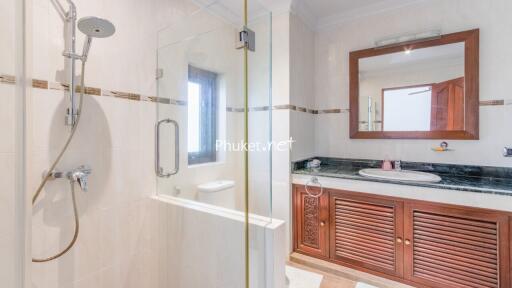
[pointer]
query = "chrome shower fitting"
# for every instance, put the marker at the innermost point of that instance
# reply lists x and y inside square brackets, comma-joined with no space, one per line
[80,175]
[70,19]
[507,152]
[91,27]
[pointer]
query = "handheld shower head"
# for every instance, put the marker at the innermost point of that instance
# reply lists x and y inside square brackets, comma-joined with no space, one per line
[94,27]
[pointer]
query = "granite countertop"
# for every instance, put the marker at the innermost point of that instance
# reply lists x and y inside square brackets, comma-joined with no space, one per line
[482,179]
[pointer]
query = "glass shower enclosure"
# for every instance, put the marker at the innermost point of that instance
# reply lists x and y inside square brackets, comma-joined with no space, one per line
[213,144]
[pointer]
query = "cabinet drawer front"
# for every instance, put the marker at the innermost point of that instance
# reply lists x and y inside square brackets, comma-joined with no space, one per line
[453,250]
[364,233]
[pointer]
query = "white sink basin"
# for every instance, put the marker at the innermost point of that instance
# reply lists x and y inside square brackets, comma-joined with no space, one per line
[400,175]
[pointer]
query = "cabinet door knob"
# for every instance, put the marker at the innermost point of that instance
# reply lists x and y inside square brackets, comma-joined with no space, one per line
[322,223]
[407,242]
[399,240]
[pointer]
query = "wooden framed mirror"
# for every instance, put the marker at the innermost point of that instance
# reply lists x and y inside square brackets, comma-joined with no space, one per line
[425,89]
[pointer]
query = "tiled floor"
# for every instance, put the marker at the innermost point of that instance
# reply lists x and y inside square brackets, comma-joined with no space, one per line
[304,277]
[308,272]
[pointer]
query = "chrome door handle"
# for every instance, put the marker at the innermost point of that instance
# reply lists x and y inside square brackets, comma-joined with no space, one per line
[158,168]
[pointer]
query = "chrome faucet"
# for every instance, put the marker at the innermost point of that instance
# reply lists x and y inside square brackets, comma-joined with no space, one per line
[79,175]
[398,165]
[507,152]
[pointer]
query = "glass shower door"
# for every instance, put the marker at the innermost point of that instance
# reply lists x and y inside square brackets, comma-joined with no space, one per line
[213,146]
[200,79]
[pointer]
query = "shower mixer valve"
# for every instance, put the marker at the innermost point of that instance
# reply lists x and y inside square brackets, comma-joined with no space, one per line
[79,175]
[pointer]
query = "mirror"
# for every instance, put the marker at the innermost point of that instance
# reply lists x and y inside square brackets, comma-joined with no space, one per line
[421,90]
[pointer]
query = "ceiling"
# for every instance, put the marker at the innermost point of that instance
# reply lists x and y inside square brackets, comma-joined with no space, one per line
[326,8]
[317,13]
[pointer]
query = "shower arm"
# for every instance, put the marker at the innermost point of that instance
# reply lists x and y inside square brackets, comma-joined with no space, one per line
[66,16]
[60,9]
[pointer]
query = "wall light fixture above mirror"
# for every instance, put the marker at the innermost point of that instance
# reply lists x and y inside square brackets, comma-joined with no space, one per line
[416,90]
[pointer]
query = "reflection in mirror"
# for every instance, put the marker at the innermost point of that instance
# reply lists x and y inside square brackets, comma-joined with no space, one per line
[413,90]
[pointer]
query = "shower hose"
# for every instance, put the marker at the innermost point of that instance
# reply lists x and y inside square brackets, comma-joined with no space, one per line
[52,168]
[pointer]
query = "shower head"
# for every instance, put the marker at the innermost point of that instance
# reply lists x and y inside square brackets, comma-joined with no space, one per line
[94,27]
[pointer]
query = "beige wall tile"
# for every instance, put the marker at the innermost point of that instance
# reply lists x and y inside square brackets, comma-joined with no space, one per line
[7,93]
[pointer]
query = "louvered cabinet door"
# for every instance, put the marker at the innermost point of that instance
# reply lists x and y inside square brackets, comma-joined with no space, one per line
[367,232]
[447,247]
[311,222]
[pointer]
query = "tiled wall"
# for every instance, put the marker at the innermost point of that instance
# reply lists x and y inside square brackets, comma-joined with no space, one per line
[115,138]
[217,261]
[7,184]
[329,102]
[294,111]
[281,117]
[333,44]
[8,229]
[302,69]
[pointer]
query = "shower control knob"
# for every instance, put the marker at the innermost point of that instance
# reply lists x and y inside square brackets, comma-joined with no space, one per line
[81,176]
[507,151]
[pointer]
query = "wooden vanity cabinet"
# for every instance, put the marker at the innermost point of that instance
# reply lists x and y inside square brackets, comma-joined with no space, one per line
[367,232]
[457,247]
[419,243]
[311,220]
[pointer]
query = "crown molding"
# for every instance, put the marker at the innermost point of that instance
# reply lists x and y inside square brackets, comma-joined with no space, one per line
[303,11]
[277,6]
[353,14]
[233,14]
[368,10]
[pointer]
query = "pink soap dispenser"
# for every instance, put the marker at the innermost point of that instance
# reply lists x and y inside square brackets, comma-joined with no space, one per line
[386,165]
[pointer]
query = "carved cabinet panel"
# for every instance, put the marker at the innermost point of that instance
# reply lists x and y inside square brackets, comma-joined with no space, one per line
[311,216]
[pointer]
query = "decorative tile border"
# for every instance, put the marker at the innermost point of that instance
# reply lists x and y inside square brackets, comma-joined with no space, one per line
[492,103]
[307,110]
[122,95]
[284,107]
[44,84]
[260,109]
[58,86]
[158,100]
[92,91]
[7,79]
[89,91]
[39,84]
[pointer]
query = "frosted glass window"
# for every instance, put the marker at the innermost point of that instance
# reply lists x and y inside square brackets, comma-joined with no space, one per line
[194,113]
[202,116]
